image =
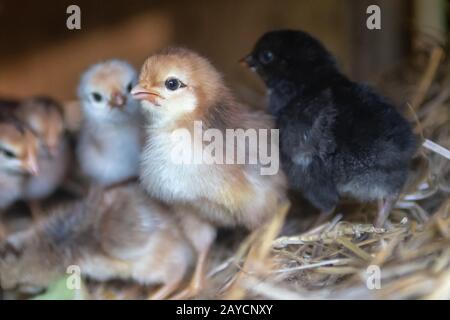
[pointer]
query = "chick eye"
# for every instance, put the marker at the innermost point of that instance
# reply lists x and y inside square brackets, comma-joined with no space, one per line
[266,57]
[129,87]
[173,84]
[8,154]
[97,97]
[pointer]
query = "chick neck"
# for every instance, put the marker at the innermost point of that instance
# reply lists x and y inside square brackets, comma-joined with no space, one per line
[295,86]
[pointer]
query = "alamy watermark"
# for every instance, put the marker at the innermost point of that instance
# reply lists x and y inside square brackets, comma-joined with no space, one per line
[373,22]
[373,279]
[234,146]
[73,281]
[73,21]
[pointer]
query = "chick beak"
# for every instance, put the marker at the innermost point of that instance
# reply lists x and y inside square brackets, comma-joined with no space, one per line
[30,165]
[141,93]
[248,62]
[118,100]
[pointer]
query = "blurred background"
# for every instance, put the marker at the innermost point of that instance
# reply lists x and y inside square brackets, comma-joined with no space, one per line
[39,55]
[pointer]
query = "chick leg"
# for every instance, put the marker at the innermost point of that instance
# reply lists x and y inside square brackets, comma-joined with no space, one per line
[176,274]
[323,216]
[201,234]
[165,291]
[384,208]
[198,279]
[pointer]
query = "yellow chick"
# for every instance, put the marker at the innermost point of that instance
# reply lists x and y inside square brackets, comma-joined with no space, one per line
[177,89]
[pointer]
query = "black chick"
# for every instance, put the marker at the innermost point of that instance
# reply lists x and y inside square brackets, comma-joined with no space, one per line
[337,137]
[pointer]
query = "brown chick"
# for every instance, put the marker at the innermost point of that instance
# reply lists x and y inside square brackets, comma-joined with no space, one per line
[45,117]
[120,233]
[178,87]
[18,158]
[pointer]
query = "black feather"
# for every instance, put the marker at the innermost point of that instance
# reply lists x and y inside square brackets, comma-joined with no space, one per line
[337,137]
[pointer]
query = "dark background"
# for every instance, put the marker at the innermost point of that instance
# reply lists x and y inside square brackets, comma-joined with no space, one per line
[39,55]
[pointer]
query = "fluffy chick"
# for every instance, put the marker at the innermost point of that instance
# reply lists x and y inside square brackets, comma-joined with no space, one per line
[177,87]
[44,116]
[337,137]
[110,141]
[119,233]
[18,159]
